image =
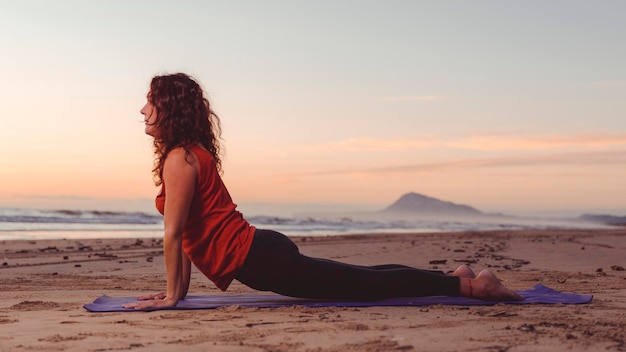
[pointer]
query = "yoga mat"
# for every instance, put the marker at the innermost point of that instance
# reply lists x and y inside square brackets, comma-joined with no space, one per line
[539,294]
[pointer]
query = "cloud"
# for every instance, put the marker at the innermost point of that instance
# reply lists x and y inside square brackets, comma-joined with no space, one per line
[53,197]
[610,84]
[537,142]
[73,198]
[415,98]
[600,158]
[484,142]
[376,145]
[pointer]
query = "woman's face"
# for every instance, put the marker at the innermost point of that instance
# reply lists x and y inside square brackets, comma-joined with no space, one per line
[149,117]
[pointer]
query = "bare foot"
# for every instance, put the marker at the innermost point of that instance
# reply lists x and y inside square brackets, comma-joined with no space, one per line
[486,286]
[463,271]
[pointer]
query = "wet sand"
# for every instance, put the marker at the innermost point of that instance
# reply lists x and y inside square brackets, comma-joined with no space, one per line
[43,285]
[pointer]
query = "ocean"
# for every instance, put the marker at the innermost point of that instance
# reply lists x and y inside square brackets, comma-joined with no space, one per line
[35,224]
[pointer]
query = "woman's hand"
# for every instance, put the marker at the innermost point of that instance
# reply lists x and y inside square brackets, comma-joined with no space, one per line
[152,304]
[160,295]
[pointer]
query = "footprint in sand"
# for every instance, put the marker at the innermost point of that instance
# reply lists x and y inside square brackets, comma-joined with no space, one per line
[34,306]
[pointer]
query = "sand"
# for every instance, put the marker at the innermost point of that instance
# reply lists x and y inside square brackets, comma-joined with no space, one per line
[43,285]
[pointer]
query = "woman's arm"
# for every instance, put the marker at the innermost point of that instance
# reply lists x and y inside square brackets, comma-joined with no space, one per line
[179,176]
[186,275]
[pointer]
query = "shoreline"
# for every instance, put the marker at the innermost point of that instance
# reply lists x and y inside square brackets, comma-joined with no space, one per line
[44,284]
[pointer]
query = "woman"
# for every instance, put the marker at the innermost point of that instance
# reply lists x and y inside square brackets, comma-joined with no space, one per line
[202,226]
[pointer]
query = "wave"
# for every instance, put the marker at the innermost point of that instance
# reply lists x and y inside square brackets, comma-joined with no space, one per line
[346,225]
[76,217]
[43,223]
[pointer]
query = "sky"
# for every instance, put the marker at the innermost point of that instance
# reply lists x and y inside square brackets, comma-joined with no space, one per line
[507,106]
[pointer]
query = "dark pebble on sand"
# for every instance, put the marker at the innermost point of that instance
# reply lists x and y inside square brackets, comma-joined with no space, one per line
[617,268]
[438,261]
[49,248]
[65,257]
[149,259]
[105,255]
[527,327]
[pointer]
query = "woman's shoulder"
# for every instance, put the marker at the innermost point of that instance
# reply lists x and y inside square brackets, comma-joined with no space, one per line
[181,154]
[201,153]
[192,153]
[187,149]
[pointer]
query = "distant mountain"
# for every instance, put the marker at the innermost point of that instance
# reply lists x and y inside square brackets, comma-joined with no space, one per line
[416,204]
[604,219]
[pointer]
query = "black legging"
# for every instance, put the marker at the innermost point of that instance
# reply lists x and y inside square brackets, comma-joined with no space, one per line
[274,263]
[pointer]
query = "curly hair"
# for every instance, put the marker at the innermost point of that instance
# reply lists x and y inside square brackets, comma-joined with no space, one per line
[184,117]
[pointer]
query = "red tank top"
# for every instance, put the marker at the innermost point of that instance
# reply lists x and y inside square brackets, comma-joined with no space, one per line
[216,237]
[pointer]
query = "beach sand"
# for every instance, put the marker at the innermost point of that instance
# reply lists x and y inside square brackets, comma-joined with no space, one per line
[44,284]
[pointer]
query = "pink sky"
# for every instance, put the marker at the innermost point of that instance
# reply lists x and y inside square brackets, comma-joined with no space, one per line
[503,106]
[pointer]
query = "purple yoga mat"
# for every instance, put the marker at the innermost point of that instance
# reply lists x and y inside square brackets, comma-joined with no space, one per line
[538,294]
